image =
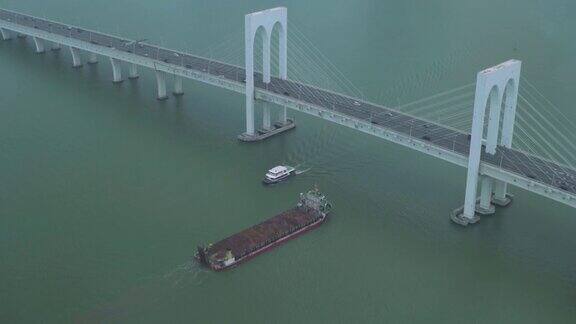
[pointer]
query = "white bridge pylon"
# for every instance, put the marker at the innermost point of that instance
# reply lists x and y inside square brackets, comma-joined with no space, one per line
[264,21]
[494,87]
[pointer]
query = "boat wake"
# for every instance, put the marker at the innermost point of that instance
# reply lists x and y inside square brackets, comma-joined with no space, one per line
[298,169]
[302,171]
[189,273]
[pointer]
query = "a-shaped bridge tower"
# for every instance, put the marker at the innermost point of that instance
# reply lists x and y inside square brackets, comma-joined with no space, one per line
[496,90]
[264,23]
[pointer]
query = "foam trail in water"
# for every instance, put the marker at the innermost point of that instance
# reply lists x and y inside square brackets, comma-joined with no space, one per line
[190,272]
[302,171]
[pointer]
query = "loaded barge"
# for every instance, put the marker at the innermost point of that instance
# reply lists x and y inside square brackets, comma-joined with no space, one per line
[309,213]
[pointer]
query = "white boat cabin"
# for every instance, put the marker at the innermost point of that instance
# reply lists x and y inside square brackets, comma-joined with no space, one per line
[278,172]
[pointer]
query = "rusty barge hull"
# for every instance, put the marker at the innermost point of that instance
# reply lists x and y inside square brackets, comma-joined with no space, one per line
[262,237]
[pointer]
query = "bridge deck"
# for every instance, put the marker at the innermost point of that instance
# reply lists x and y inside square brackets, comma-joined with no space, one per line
[517,162]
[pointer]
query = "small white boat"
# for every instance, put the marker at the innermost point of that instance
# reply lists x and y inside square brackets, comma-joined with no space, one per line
[278,174]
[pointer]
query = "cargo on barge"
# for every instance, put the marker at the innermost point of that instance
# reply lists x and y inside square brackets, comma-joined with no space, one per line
[310,212]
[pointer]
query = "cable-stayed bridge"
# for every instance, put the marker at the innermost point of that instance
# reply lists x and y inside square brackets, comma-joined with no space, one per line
[486,151]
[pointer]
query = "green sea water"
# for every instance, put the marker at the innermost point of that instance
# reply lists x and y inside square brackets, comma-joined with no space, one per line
[105,192]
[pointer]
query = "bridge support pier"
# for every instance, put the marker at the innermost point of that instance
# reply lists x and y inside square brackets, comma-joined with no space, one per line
[22,36]
[501,197]
[266,118]
[485,206]
[284,116]
[56,47]
[494,86]
[249,118]
[133,71]
[116,70]
[178,89]
[76,59]
[39,45]
[268,129]
[92,58]
[161,84]
[6,34]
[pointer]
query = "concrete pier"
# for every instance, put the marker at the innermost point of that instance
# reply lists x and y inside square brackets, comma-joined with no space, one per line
[133,71]
[178,89]
[283,115]
[161,84]
[56,46]
[6,34]
[76,59]
[116,70]
[266,118]
[92,58]
[39,43]
[485,206]
[501,196]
